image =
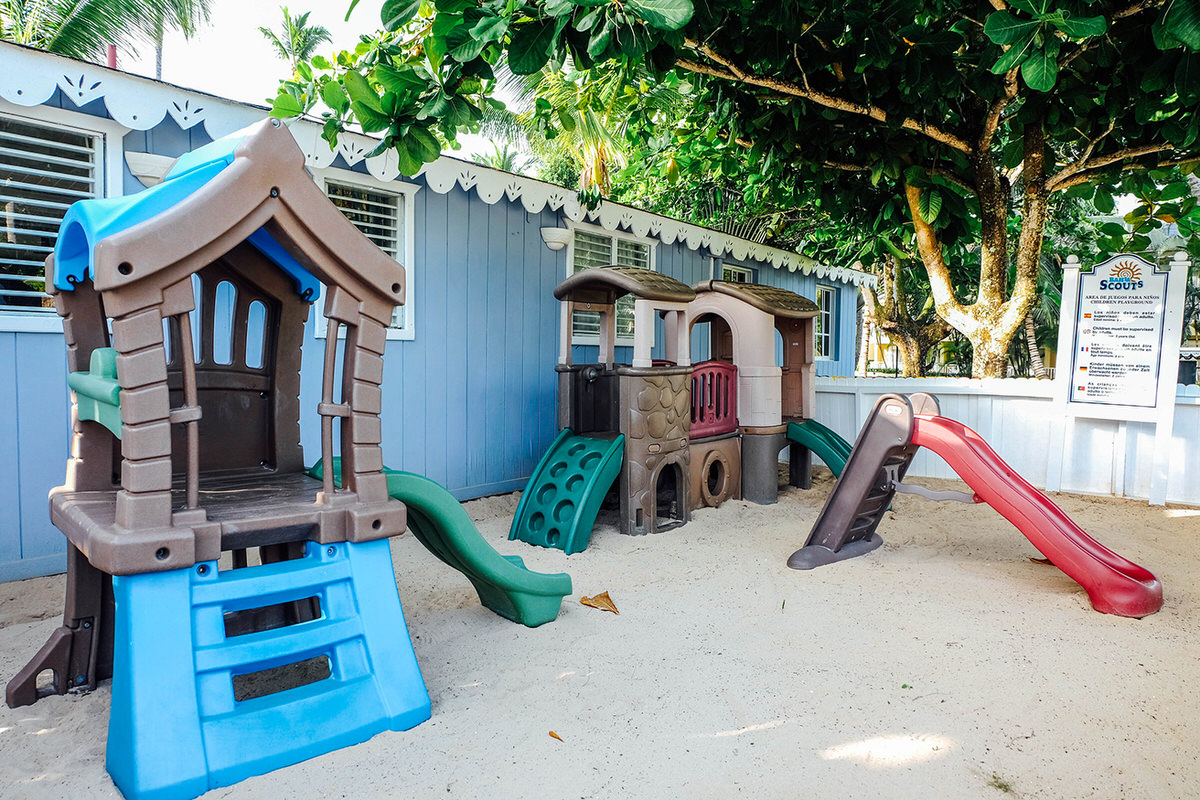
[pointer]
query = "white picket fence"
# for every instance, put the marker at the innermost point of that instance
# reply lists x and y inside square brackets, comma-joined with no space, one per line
[1018,418]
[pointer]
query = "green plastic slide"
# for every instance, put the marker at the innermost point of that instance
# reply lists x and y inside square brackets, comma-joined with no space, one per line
[559,505]
[828,446]
[504,583]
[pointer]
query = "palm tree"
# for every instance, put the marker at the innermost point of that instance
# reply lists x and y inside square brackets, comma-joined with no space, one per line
[296,40]
[82,28]
[505,157]
[185,16]
[591,112]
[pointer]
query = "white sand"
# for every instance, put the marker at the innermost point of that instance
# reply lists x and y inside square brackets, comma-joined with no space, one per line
[945,664]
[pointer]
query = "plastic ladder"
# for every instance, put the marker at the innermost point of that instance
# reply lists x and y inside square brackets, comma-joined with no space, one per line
[176,730]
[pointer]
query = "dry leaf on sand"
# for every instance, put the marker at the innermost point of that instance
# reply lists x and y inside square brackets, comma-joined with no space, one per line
[556,736]
[601,601]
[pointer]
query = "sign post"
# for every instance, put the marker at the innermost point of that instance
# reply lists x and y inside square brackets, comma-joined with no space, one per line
[1120,324]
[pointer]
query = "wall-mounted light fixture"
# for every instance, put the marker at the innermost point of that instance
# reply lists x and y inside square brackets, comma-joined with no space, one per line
[556,238]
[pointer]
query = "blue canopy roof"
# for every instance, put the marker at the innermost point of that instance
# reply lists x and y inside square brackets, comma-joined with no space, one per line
[88,222]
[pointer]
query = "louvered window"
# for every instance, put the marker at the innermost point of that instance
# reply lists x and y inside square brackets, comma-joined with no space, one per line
[379,215]
[43,170]
[599,250]
[826,302]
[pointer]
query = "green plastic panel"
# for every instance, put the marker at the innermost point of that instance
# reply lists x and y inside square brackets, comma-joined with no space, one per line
[559,506]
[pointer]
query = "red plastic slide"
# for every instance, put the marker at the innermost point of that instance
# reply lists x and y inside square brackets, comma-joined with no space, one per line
[1114,585]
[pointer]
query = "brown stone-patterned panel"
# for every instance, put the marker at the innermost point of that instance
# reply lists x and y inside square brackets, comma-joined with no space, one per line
[655,417]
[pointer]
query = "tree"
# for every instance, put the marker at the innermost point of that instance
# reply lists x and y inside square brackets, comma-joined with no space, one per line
[185,16]
[505,157]
[82,28]
[296,41]
[952,106]
[906,314]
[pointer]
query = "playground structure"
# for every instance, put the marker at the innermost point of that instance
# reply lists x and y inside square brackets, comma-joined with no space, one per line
[897,427]
[183,309]
[676,436]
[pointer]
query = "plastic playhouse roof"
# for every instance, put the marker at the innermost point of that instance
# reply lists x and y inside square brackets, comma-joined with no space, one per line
[771,299]
[88,222]
[644,283]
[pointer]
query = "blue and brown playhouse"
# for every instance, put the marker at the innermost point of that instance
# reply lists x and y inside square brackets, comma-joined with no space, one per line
[245,608]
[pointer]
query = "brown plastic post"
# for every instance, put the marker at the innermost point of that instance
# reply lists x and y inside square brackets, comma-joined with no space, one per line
[190,401]
[327,405]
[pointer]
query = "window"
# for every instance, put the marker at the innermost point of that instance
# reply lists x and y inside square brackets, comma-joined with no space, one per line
[384,214]
[43,170]
[735,274]
[826,303]
[595,249]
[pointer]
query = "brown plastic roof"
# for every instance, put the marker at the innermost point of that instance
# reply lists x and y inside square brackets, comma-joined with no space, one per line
[265,184]
[771,299]
[644,283]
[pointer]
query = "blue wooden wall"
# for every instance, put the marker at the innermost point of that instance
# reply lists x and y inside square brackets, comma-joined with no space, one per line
[470,401]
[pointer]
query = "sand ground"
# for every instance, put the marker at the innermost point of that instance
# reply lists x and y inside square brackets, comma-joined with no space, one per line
[945,664]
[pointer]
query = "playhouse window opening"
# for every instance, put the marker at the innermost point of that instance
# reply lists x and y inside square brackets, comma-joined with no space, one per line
[43,170]
[668,495]
[280,679]
[224,308]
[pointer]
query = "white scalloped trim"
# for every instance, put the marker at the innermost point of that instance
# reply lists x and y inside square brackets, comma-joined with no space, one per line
[30,77]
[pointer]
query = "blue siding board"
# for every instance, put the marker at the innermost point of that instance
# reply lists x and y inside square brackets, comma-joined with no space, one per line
[10,427]
[44,412]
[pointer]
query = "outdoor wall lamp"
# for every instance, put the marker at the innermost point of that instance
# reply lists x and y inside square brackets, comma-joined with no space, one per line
[556,238]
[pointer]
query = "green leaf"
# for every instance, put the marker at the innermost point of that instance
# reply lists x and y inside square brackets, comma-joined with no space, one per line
[1003,28]
[423,144]
[397,13]
[1104,202]
[1083,27]
[667,15]
[436,106]
[530,47]
[360,91]
[1012,57]
[1182,20]
[371,119]
[286,106]
[1040,70]
[1113,229]
[321,62]
[490,28]
[304,70]
[930,205]
[402,81]
[335,97]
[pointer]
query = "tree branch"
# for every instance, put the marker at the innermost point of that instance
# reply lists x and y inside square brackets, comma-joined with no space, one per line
[1080,163]
[1136,8]
[727,70]
[991,122]
[1092,166]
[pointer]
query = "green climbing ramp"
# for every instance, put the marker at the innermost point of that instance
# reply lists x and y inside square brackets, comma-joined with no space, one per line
[559,505]
[828,446]
[504,583]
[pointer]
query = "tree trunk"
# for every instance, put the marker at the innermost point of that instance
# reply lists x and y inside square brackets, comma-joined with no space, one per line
[1035,355]
[864,349]
[992,321]
[891,311]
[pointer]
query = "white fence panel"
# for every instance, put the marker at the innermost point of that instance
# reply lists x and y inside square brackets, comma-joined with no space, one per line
[1018,418]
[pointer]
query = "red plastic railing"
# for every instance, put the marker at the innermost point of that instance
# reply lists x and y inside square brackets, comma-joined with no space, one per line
[714,399]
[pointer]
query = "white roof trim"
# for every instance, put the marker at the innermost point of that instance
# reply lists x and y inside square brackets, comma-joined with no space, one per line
[29,77]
